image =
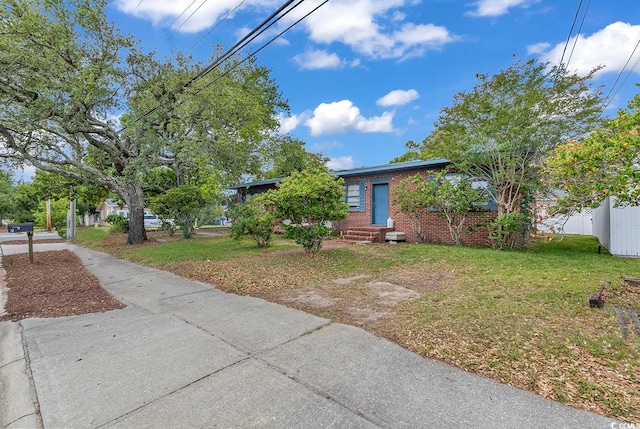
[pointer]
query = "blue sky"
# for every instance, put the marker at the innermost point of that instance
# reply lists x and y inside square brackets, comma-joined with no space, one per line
[362,77]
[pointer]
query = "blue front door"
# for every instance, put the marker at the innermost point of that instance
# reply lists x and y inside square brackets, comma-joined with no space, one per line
[380,203]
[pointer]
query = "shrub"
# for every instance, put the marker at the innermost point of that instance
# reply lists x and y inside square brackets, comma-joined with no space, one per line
[118,223]
[508,229]
[253,219]
[309,200]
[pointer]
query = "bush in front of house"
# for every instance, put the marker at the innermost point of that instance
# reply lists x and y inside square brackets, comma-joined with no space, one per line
[309,200]
[253,219]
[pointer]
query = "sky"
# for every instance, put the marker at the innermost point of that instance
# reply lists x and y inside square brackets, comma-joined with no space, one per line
[363,77]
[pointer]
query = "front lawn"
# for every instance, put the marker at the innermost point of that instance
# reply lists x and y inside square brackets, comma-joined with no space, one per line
[521,317]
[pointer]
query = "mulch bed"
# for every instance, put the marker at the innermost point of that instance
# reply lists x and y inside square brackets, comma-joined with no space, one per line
[56,284]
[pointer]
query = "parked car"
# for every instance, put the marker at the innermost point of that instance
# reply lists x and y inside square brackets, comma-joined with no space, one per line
[154,222]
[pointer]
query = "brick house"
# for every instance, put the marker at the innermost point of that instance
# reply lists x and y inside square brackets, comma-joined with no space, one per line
[369,193]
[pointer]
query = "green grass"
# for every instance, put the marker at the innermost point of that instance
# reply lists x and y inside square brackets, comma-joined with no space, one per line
[178,249]
[91,236]
[521,317]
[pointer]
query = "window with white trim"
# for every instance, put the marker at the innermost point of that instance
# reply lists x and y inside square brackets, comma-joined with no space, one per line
[352,193]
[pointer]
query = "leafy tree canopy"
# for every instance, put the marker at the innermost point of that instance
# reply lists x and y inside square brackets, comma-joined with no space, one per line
[289,155]
[601,165]
[66,73]
[502,130]
[6,194]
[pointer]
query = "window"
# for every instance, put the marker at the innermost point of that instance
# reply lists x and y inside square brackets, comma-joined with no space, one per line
[353,196]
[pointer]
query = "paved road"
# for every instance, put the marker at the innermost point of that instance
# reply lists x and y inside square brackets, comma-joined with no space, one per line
[37,236]
[185,355]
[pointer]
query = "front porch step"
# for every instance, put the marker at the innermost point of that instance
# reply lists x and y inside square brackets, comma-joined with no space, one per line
[366,233]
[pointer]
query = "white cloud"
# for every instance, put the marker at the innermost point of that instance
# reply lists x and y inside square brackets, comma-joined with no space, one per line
[191,16]
[360,24]
[288,123]
[610,47]
[368,27]
[489,8]
[538,48]
[341,163]
[342,116]
[317,59]
[398,97]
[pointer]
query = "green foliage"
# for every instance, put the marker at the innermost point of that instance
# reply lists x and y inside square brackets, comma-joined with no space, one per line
[414,199]
[502,130]
[309,236]
[208,214]
[157,181]
[289,155]
[6,194]
[119,223]
[451,196]
[59,209]
[253,219]
[604,164]
[309,199]
[55,186]
[25,203]
[75,70]
[508,230]
[180,204]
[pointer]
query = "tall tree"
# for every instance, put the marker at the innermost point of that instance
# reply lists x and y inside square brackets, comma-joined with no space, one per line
[604,164]
[501,131]
[6,194]
[65,71]
[289,155]
[222,121]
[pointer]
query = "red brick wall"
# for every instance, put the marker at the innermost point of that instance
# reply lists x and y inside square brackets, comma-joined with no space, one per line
[435,227]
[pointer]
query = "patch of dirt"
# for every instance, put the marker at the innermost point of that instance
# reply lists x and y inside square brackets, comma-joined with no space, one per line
[360,300]
[56,284]
[419,280]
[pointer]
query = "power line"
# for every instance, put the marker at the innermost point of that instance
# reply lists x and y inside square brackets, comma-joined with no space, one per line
[609,96]
[188,18]
[182,13]
[254,53]
[573,24]
[575,41]
[218,24]
[252,35]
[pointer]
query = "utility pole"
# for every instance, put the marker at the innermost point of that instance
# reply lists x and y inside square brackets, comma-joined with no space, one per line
[48,214]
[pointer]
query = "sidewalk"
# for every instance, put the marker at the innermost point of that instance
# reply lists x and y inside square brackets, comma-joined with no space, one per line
[182,354]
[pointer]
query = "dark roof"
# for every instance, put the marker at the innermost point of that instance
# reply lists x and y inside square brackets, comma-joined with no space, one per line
[258,183]
[394,168]
[365,171]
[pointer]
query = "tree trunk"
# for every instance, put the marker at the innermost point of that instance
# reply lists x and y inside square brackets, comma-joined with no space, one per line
[134,197]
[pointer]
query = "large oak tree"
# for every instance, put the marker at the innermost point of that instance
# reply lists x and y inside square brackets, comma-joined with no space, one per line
[78,99]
